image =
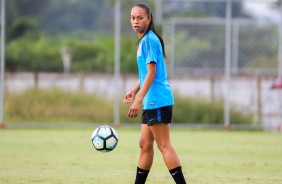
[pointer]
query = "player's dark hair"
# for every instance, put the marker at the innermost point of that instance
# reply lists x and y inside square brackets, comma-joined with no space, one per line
[151,25]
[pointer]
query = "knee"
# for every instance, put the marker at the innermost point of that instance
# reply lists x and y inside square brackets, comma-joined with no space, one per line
[164,147]
[145,146]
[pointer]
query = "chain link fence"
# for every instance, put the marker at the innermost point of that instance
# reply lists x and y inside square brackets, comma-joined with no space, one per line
[197,46]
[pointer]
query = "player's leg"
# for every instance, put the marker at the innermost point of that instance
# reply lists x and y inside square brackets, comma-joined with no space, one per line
[146,144]
[161,133]
[145,161]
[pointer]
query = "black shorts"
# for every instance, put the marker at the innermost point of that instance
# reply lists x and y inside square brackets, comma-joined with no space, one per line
[162,114]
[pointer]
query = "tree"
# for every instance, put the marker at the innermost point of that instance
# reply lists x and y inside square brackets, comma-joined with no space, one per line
[24,8]
[19,28]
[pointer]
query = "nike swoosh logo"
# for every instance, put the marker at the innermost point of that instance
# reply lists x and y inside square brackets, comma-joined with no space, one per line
[175,173]
[141,172]
[151,120]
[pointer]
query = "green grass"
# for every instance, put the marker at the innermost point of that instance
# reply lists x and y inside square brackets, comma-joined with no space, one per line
[66,156]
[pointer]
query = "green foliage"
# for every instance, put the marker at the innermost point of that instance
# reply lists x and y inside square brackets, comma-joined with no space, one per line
[42,53]
[37,29]
[31,9]
[128,55]
[93,56]
[56,105]
[258,48]
[195,46]
[98,55]
[62,16]
[205,50]
[32,53]
[19,28]
[200,111]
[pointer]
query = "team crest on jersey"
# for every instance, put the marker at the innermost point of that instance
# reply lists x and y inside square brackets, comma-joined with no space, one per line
[139,51]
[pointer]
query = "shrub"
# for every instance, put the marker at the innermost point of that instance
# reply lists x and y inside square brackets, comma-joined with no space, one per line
[55,105]
[30,53]
[188,110]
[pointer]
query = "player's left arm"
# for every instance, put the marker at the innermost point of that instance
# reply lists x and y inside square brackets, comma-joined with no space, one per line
[134,109]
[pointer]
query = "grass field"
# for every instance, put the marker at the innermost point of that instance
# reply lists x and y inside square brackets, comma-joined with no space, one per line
[66,156]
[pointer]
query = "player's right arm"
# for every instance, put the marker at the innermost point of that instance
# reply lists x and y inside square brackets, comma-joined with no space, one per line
[130,95]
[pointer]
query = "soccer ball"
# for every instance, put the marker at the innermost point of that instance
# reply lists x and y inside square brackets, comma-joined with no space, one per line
[104,138]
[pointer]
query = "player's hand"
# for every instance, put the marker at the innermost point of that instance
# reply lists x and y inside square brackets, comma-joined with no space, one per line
[134,109]
[128,97]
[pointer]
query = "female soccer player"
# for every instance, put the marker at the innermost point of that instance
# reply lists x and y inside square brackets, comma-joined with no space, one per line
[156,95]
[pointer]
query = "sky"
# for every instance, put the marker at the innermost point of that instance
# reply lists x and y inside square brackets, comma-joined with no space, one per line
[262,10]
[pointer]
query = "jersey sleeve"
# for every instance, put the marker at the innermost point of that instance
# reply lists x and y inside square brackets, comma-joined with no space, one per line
[150,49]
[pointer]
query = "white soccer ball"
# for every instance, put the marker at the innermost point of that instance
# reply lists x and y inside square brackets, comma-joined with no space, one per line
[104,138]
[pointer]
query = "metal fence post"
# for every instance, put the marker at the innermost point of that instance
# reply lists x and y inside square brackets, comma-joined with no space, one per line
[117,64]
[227,64]
[172,47]
[280,66]
[159,11]
[235,48]
[2,63]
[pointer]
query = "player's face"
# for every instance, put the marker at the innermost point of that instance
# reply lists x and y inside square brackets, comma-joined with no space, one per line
[139,20]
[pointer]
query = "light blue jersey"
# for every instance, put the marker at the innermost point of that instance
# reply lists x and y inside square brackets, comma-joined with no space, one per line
[160,93]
